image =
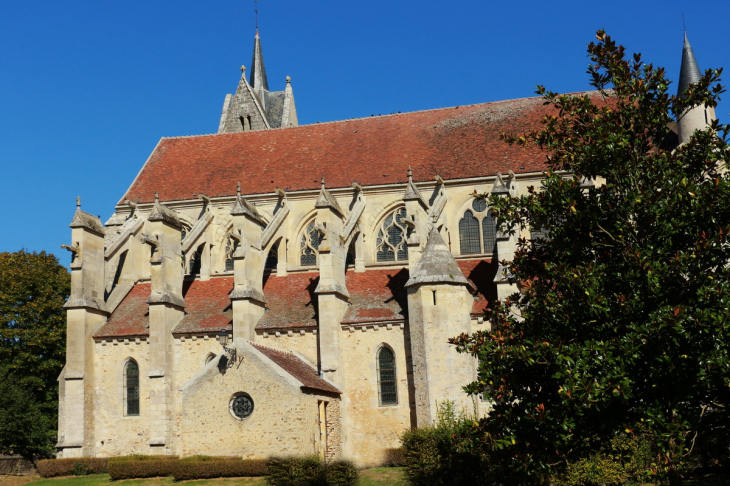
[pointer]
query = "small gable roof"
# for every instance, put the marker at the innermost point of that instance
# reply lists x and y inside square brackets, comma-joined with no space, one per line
[292,364]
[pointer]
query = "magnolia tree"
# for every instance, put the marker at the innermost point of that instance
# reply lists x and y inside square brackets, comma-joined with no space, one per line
[621,320]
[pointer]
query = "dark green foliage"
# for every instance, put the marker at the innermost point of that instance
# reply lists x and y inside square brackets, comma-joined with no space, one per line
[395,457]
[81,466]
[33,289]
[624,308]
[141,466]
[217,467]
[310,471]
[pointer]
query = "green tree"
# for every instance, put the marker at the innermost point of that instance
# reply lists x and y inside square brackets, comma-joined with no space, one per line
[622,315]
[33,289]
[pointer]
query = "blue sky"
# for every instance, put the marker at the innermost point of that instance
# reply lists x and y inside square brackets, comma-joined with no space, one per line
[87,88]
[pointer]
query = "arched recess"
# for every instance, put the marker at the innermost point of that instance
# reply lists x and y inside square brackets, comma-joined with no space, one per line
[387,375]
[308,243]
[131,388]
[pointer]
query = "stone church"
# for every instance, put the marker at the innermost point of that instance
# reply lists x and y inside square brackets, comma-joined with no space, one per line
[276,289]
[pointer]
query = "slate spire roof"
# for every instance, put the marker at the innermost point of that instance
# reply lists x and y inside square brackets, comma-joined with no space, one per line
[258,79]
[437,264]
[690,72]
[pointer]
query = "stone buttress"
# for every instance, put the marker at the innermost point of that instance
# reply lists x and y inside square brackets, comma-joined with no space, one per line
[86,312]
[166,308]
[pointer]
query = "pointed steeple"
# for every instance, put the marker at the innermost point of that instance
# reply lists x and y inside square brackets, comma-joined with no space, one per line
[258,79]
[690,72]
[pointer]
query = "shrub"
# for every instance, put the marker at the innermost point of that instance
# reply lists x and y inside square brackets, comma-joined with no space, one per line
[628,458]
[49,468]
[341,473]
[295,471]
[217,467]
[140,466]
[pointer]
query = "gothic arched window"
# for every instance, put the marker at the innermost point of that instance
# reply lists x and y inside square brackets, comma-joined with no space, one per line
[131,388]
[310,241]
[477,229]
[392,237]
[387,385]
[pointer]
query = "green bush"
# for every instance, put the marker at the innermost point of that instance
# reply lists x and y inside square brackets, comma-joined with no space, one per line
[216,467]
[395,457]
[49,468]
[628,458]
[341,473]
[140,466]
[310,471]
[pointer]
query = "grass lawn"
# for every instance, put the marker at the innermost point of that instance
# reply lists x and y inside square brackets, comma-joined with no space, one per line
[379,476]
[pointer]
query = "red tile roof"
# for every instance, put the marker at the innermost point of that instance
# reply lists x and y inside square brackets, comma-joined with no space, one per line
[300,370]
[131,317]
[458,142]
[481,274]
[207,306]
[290,301]
[377,296]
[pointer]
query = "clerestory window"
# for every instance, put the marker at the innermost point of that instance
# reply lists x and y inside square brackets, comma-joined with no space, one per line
[477,229]
[308,248]
[391,244]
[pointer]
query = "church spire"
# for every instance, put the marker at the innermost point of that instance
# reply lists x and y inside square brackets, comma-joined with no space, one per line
[258,79]
[690,72]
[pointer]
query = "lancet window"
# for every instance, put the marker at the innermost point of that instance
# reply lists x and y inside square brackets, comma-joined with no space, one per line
[309,245]
[272,259]
[131,388]
[387,385]
[391,244]
[477,229]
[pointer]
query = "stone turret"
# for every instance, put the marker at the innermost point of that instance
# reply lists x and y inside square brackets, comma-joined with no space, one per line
[439,307]
[85,312]
[698,117]
[332,294]
[166,308]
[247,296]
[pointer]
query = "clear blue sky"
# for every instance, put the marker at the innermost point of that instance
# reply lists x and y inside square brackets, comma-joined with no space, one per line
[87,88]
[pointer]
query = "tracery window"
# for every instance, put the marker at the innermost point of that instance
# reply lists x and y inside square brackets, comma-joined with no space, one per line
[308,248]
[131,388]
[477,229]
[392,237]
[387,385]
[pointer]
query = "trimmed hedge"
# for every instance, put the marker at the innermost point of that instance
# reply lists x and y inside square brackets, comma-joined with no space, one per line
[310,471]
[395,457]
[213,467]
[140,466]
[80,466]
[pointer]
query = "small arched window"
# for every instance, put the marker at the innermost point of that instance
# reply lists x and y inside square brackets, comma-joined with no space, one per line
[477,229]
[387,385]
[393,233]
[131,388]
[309,245]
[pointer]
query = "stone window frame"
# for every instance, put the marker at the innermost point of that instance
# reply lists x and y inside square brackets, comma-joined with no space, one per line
[482,230]
[379,350]
[381,241]
[230,406]
[309,245]
[125,388]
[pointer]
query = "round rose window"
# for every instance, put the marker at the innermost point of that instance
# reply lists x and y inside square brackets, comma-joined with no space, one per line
[241,405]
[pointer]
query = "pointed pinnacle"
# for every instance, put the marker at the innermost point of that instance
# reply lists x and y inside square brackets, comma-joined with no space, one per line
[157,196]
[78,201]
[410,173]
[238,189]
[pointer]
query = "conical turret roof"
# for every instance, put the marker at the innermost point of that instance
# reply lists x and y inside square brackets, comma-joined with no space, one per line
[690,71]
[437,264]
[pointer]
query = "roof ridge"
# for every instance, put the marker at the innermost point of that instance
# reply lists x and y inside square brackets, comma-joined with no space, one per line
[257,345]
[331,122]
